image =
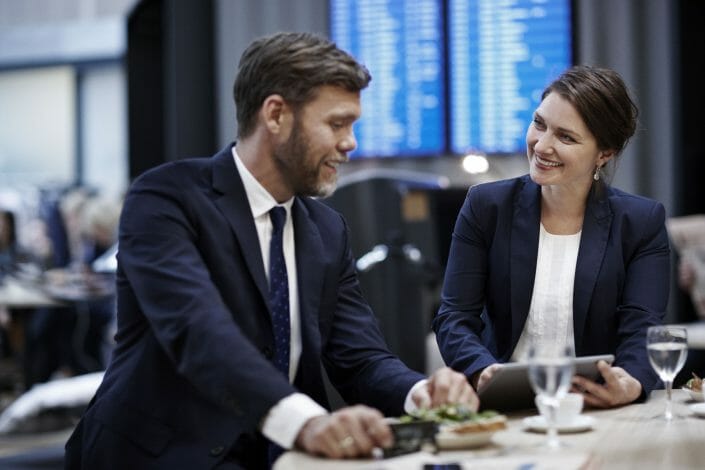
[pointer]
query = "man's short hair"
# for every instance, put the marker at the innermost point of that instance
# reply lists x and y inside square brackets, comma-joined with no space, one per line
[293,65]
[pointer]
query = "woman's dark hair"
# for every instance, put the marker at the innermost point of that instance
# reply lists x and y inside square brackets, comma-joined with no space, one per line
[292,65]
[603,102]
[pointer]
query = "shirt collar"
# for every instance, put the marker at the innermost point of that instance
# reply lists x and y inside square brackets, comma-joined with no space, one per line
[261,202]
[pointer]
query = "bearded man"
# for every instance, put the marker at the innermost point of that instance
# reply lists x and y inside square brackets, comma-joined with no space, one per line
[236,287]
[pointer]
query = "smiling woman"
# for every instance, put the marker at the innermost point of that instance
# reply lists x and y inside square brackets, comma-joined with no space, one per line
[585,264]
[562,151]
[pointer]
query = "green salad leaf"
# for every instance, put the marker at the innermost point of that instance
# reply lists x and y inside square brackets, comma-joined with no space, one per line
[447,414]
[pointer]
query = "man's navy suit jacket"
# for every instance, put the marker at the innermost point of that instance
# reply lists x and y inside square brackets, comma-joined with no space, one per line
[621,278]
[191,373]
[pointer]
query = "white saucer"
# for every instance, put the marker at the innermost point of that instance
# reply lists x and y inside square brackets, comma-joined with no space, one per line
[580,423]
[698,409]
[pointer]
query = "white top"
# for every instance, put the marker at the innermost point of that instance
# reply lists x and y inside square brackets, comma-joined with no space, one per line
[550,318]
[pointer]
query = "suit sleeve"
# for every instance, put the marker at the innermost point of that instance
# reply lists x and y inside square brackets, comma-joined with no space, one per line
[356,356]
[645,297]
[458,324]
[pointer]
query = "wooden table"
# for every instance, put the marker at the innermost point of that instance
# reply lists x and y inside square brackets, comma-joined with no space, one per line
[623,438]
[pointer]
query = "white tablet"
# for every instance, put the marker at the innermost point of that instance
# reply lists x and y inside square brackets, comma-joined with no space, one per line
[509,388]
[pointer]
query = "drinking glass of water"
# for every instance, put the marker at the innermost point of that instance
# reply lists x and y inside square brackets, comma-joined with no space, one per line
[667,347]
[551,369]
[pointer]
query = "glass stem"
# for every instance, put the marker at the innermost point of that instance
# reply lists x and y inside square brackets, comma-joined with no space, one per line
[552,432]
[669,412]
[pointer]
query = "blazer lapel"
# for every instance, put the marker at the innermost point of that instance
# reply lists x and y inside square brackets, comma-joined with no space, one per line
[309,269]
[236,209]
[523,252]
[593,243]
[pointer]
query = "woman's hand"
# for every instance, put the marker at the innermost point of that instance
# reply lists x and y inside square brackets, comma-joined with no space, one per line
[483,377]
[686,275]
[619,388]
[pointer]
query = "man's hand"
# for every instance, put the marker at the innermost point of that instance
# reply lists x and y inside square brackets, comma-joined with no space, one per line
[349,432]
[619,388]
[446,386]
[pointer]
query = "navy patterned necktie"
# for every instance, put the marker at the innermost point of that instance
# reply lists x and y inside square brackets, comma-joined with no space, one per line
[279,291]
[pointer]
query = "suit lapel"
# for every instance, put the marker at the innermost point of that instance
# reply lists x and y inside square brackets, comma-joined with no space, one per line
[523,252]
[309,269]
[235,207]
[593,243]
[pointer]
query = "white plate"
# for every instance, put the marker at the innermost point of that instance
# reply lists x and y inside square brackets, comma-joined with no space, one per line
[454,440]
[698,409]
[695,396]
[580,423]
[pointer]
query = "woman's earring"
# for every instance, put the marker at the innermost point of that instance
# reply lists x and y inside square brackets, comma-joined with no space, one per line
[596,176]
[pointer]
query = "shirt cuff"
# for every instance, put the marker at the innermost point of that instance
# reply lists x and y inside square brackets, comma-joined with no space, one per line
[409,405]
[285,419]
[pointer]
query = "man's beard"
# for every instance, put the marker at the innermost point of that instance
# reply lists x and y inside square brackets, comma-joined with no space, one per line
[293,160]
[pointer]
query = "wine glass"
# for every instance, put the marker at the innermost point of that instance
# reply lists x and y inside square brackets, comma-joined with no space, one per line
[551,368]
[667,347]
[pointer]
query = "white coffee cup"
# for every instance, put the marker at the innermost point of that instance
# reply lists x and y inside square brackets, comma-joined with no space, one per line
[569,408]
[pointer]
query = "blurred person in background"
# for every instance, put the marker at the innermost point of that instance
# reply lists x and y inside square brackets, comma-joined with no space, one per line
[98,227]
[71,339]
[99,230]
[8,260]
[688,235]
[8,243]
[12,255]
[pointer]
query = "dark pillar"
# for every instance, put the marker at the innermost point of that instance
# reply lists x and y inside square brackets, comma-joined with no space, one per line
[689,187]
[170,76]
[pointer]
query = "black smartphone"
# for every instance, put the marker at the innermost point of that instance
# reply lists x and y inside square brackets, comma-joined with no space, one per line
[442,466]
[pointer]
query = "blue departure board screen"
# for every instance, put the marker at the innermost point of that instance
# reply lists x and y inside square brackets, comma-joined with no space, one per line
[501,55]
[401,42]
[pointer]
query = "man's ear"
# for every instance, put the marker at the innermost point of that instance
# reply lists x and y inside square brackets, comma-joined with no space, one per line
[275,114]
